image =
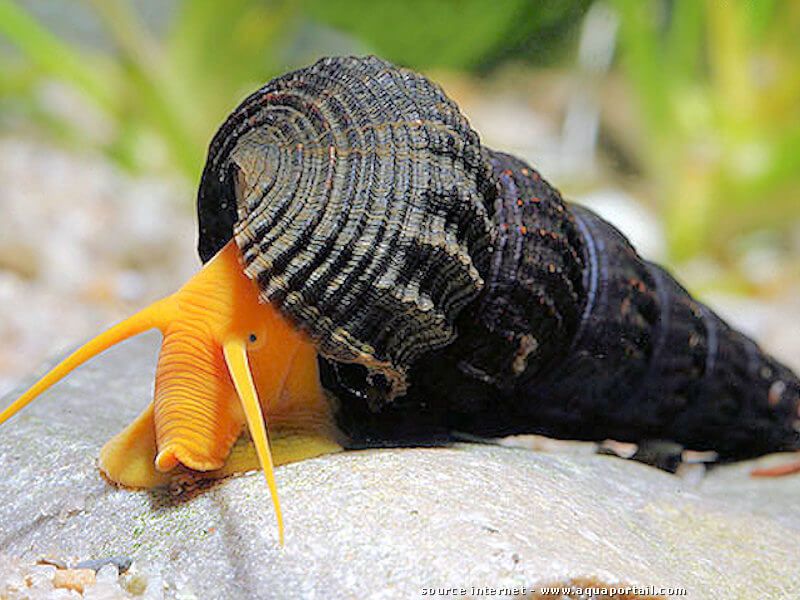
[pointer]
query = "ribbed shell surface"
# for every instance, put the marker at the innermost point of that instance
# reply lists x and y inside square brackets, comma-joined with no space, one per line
[358,195]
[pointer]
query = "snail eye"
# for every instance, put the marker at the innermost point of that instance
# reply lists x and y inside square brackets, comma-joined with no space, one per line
[256,340]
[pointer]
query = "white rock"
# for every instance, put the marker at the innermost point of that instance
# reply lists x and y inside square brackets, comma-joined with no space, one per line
[108,574]
[387,521]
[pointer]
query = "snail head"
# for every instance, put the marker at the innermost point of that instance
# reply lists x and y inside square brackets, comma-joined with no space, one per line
[226,360]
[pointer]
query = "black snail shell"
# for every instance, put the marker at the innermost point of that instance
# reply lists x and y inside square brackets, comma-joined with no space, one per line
[356,192]
[449,288]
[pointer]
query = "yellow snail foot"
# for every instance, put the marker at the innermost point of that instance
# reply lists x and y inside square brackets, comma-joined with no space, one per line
[128,459]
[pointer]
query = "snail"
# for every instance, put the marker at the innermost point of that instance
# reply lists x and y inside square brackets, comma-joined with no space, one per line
[374,276]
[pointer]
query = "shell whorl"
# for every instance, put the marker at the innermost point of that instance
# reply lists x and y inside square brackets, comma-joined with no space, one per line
[358,194]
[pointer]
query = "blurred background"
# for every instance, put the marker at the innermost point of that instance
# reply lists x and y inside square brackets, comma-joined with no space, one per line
[678,120]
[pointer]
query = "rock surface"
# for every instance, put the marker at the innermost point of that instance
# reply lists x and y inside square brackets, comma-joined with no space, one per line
[382,524]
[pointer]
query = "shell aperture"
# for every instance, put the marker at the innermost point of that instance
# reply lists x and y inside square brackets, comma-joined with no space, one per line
[358,194]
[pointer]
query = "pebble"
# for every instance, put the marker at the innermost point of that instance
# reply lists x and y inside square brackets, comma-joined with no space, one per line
[19,580]
[74,579]
[117,564]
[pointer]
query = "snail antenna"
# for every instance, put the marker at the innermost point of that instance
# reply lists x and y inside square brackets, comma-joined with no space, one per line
[235,353]
[149,318]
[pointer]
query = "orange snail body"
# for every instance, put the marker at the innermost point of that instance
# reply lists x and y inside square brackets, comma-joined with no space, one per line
[227,360]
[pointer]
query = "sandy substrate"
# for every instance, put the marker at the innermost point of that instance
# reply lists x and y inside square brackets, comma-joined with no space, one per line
[82,245]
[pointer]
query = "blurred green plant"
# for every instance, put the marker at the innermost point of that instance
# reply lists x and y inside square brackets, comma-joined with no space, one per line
[718,85]
[168,93]
[162,97]
[455,34]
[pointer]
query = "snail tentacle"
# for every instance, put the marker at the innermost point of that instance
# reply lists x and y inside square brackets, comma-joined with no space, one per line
[236,358]
[152,317]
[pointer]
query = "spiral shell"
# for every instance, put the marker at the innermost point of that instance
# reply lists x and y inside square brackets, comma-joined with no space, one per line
[358,194]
